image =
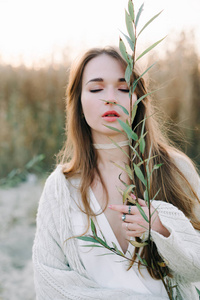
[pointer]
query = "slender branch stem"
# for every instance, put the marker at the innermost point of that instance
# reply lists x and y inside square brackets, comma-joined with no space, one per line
[160,274]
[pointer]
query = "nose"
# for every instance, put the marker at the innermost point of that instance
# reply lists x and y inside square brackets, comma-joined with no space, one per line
[110,96]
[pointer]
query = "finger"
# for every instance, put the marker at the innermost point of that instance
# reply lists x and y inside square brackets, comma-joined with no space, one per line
[133,196]
[134,227]
[131,218]
[141,202]
[119,208]
[134,234]
[134,231]
[129,227]
[124,209]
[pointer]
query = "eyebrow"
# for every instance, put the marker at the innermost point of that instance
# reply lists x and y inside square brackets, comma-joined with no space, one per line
[101,80]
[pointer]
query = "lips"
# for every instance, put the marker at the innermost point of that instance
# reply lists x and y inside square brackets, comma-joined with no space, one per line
[110,116]
[111,113]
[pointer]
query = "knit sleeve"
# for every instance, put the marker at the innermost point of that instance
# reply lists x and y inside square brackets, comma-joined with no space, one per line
[181,250]
[54,277]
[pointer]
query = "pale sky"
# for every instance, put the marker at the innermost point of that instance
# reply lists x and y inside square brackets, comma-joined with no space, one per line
[33,29]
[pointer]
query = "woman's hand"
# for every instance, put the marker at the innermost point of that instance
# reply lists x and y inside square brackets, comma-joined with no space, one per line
[134,223]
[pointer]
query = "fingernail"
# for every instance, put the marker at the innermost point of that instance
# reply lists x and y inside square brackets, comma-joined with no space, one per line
[133,196]
[110,206]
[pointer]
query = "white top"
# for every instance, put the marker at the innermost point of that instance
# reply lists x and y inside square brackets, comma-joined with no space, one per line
[112,269]
[64,271]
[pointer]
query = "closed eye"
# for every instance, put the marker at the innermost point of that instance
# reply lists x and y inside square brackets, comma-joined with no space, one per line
[96,90]
[124,90]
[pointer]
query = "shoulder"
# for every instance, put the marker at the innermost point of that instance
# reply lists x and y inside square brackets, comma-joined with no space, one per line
[54,180]
[187,168]
[60,187]
[57,179]
[183,163]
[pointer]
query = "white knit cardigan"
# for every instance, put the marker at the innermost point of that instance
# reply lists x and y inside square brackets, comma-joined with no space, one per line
[58,271]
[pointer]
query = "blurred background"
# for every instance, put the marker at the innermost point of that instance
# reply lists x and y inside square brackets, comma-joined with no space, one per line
[38,41]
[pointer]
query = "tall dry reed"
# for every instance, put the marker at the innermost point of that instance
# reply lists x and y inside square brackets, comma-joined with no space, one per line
[32,117]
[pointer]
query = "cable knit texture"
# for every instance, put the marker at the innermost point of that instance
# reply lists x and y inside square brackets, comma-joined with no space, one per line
[58,271]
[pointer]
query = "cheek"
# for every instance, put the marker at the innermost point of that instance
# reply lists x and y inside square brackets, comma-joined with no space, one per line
[88,108]
[85,103]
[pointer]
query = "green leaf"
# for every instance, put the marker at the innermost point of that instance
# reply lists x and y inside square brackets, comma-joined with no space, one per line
[123,51]
[129,171]
[146,160]
[131,10]
[144,96]
[198,291]
[134,110]
[117,250]
[131,135]
[102,242]
[113,128]
[138,244]
[142,140]
[127,191]
[128,74]
[124,183]
[139,14]
[103,236]
[155,167]
[130,42]
[142,212]
[146,196]
[120,190]
[93,228]
[93,246]
[129,26]
[156,194]
[131,200]
[123,108]
[142,145]
[136,81]
[150,48]
[153,18]
[111,253]
[143,261]
[162,264]
[139,174]
[87,239]
[123,169]
[135,151]
[143,125]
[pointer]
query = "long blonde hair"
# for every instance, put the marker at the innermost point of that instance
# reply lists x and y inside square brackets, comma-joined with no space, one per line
[79,156]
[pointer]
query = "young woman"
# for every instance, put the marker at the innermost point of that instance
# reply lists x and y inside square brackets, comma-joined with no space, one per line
[86,185]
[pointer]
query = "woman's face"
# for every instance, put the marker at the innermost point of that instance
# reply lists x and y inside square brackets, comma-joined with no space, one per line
[103,79]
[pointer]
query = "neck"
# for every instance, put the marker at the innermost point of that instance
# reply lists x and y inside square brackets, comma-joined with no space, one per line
[109,153]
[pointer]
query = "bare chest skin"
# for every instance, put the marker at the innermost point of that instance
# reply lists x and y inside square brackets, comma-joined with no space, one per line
[114,197]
